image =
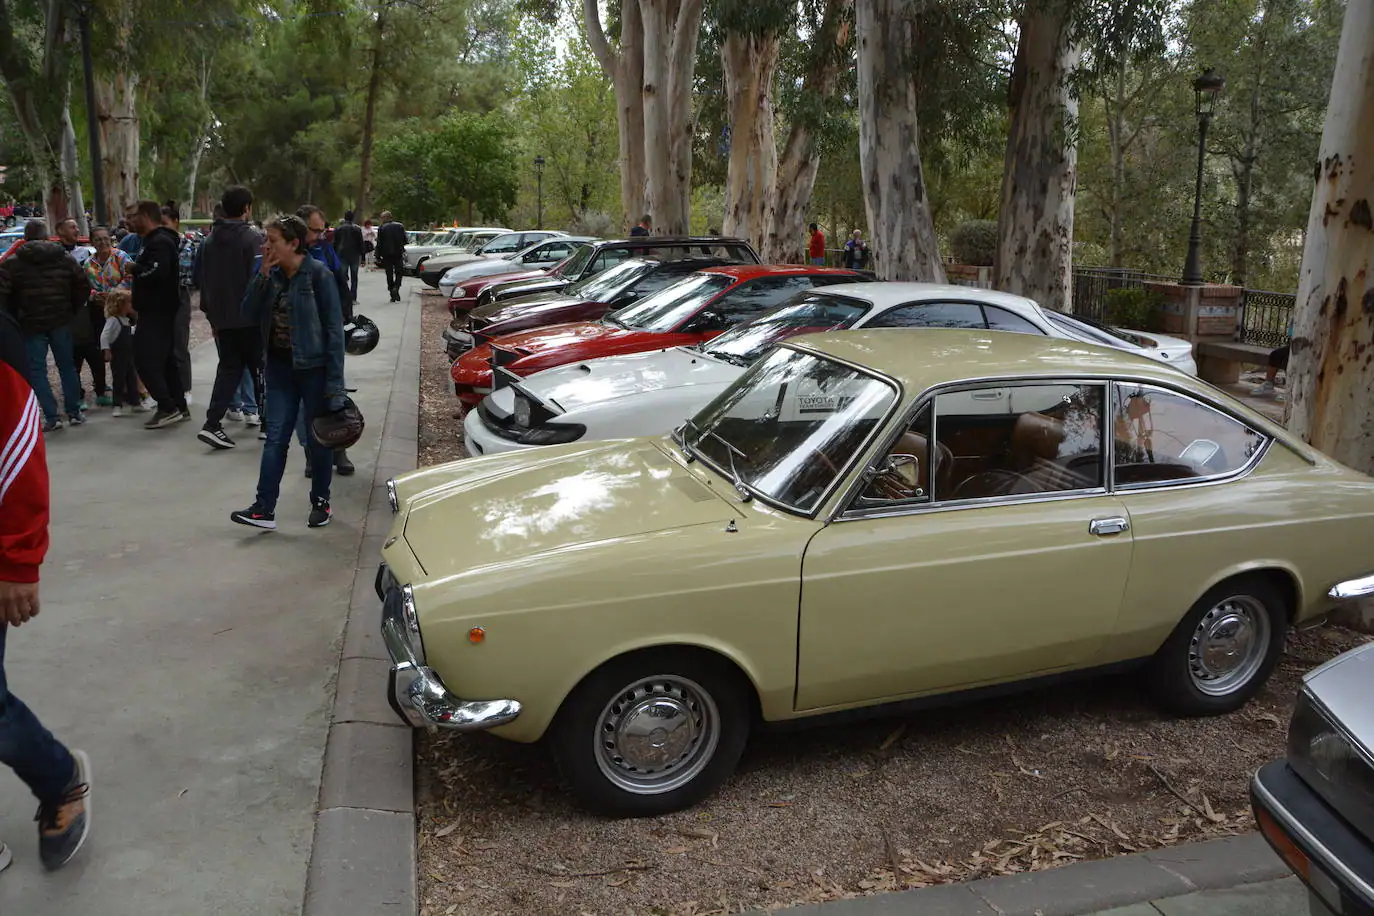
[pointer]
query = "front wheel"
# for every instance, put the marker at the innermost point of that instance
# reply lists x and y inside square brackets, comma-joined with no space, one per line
[1223,650]
[652,733]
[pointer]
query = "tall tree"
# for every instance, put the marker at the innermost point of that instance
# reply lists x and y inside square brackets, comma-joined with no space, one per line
[1331,371]
[895,196]
[670,45]
[623,64]
[1039,181]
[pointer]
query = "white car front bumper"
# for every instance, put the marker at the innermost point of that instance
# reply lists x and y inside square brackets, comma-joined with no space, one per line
[480,440]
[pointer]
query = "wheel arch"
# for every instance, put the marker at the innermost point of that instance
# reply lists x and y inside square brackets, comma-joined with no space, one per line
[1281,574]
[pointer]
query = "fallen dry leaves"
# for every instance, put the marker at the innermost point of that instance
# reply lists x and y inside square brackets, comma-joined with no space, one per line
[1002,787]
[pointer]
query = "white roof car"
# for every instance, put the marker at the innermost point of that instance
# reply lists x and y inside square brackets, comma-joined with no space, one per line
[536,257]
[646,394]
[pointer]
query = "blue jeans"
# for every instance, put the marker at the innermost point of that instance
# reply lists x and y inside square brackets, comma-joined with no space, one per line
[28,748]
[59,340]
[244,398]
[288,391]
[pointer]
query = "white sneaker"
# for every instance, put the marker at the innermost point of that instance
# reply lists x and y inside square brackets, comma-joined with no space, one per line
[252,419]
[1264,389]
[234,415]
[145,405]
[188,399]
[117,412]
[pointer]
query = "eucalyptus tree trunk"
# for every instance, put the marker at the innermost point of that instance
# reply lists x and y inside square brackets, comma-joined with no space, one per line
[895,197]
[1040,176]
[374,84]
[116,102]
[750,63]
[202,141]
[624,67]
[1330,374]
[71,177]
[670,43]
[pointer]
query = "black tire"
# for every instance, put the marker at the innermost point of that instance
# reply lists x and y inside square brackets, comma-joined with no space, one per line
[1170,674]
[576,744]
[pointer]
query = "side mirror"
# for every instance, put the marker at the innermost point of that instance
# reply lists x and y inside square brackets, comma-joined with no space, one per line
[906,468]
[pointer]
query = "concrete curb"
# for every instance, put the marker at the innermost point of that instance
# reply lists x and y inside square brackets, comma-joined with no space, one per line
[1087,887]
[363,857]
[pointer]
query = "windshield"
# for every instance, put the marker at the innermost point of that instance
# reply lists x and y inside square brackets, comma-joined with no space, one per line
[790,425]
[668,308]
[574,266]
[603,286]
[1092,331]
[812,313]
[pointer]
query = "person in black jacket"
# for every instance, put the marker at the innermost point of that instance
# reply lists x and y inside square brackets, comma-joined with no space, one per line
[391,252]
[157,299]
[348,245]
[43,288]
[224,269]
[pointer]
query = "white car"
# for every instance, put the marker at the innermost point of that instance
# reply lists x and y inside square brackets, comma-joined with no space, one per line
[649,394]
[538,256]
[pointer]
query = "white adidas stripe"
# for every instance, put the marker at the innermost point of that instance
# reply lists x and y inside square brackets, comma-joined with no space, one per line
[19,447]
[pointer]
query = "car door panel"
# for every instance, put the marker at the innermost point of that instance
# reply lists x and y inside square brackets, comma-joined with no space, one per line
[952,598]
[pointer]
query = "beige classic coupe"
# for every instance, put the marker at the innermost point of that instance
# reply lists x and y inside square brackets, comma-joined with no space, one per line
[865,519]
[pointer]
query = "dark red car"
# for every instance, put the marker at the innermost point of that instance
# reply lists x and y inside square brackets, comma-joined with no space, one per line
[586,300]
[691,311]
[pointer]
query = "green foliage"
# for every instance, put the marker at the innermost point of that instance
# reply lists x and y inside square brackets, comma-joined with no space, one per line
[1137,309]
[974,242]
[463,164]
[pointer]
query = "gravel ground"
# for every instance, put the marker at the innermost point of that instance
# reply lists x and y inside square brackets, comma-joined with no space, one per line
[1026,783]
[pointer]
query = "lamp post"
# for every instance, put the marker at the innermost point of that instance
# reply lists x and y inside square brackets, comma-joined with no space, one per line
[539,178]
[1205,90]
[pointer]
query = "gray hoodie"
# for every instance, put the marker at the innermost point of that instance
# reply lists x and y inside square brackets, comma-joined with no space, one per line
[223,269]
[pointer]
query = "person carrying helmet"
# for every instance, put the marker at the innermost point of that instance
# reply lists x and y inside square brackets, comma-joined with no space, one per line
[321,250]
[296,303]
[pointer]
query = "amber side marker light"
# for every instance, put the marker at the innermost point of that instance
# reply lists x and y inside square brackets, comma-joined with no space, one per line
[1283,844]
[476,635]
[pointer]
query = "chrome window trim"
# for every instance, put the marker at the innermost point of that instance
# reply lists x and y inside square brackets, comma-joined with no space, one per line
[844,472]
[1152,486]
[845,511]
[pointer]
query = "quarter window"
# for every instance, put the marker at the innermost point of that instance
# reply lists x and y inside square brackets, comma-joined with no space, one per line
[1163,437]
[931,315]
[1018,440]
[999,319]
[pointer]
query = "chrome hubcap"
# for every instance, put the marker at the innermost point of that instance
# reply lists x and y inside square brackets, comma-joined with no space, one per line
[1228,646]
[657,734]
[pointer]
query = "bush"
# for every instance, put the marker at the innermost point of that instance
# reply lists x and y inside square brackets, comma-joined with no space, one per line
[974,242]
[1136,309]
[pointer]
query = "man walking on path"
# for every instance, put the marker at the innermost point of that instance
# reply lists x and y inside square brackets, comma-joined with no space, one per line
[224,271]
[43,289]
[348,243]
[157,299]
[391,250]
[322,251]
[58,777]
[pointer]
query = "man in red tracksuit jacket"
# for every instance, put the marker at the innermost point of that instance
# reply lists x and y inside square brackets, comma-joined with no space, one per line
[58,777]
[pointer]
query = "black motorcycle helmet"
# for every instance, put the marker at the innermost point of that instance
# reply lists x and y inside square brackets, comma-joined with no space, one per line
[361,336]
[340,428]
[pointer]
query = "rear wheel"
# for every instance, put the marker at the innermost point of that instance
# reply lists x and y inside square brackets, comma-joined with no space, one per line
[1223,650]
[652,733]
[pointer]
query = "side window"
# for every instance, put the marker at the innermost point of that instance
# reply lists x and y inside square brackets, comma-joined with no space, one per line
[608,258]
[655,280]
[1000,319]
[504,245]
[931,315]
[749,299]
[1162,437]
[897,478]
[1019,440]
[551,253]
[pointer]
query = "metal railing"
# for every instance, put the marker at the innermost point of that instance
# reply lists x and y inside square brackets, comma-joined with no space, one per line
[1266,317]
[1091,285]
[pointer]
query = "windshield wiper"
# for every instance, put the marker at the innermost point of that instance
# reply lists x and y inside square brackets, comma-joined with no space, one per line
[745,494]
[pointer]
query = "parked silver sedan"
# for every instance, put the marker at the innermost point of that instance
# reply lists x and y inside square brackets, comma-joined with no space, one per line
[1316,807]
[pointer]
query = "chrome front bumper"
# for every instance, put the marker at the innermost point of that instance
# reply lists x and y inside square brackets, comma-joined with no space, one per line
[1352,588]
[416,692]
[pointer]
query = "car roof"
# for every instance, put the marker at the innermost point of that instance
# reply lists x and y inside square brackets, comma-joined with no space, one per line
[920,358]
[744,272]
[889,293]
[668,241]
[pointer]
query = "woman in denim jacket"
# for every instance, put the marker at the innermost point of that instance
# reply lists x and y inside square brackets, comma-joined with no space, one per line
[296,301]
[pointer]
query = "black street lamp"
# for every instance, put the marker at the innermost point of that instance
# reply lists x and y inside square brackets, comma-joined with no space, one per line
[1205,90]
[539,177]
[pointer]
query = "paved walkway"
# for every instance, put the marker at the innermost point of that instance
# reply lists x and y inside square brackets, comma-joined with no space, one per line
[1282,897]
[194,659]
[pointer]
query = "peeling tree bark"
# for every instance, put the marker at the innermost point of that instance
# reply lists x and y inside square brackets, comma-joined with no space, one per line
[1331,369]
[71,178]
[670,43]
[895,198]
[116,102]
[624,66]
[1039,181]
[750,64]
[202,142]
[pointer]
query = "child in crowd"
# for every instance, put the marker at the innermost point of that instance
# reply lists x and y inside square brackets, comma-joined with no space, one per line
[117,342]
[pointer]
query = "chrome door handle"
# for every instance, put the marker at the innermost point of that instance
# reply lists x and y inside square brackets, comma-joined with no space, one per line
[1105,526]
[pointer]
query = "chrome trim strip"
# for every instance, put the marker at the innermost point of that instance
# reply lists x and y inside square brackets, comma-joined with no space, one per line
[391,496]
[1352,588]
[1324,856]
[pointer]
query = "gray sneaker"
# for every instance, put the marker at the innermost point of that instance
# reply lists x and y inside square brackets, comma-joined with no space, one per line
[64,825]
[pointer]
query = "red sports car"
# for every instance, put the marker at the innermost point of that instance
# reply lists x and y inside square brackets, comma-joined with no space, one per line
[691,311]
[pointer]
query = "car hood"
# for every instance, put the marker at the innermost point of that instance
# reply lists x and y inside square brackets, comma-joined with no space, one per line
[506,511]
[596,381]
[525,306]
[450,256]
[538,284]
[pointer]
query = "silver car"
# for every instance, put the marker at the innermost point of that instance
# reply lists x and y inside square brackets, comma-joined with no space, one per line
[1316,807]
